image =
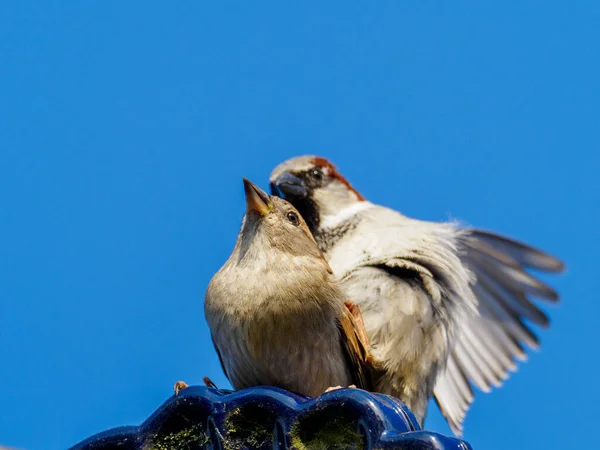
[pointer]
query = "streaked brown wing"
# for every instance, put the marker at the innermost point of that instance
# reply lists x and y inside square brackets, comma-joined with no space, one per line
[355,343]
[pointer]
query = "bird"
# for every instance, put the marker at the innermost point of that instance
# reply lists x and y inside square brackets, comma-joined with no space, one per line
[445,307]
[276,313]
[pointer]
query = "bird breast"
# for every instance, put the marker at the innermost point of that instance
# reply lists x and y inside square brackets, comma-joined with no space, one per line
[268,333]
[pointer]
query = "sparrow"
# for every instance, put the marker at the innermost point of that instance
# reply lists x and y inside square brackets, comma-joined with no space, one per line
[276,313]
[444,307]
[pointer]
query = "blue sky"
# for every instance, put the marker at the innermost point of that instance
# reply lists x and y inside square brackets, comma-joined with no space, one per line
[125,131]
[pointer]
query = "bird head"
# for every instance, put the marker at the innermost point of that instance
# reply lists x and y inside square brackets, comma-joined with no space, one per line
[314,186]
[273,224]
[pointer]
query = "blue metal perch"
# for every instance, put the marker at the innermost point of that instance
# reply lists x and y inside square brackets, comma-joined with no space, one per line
[271,418]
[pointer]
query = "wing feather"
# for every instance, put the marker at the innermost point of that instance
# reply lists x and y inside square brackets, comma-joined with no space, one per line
[355,343]
[488,344]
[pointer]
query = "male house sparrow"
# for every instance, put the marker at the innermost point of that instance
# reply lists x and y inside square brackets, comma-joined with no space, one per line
[276,314]
[443,306]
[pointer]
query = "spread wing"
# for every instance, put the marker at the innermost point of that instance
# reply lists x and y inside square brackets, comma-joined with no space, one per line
[488,345]
[355,343]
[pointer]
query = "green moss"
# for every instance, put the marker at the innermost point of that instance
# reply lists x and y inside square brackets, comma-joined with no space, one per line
[333,434]
[191,437]
[246,428]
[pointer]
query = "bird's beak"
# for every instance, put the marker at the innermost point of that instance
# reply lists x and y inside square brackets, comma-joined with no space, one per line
[257,200]
[288,185]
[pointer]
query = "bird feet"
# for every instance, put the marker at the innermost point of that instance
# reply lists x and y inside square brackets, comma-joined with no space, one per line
[333,388]
[179,386]
[209,383]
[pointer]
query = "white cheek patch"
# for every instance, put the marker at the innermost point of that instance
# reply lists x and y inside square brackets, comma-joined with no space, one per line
[331,221]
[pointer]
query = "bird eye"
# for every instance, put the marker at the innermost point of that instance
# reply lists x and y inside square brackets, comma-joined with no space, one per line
[316,173]
[293,218]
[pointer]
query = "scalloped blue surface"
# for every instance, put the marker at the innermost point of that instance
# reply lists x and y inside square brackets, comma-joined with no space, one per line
[271,418]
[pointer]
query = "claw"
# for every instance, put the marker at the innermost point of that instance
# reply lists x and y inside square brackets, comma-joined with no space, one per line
[333,388]
[179,386]
[209,383]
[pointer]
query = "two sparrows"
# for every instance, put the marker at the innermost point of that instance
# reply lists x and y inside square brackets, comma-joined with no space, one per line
[443,307]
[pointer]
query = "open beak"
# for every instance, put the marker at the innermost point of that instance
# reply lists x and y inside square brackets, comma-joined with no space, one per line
[257,200]
[288,185]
